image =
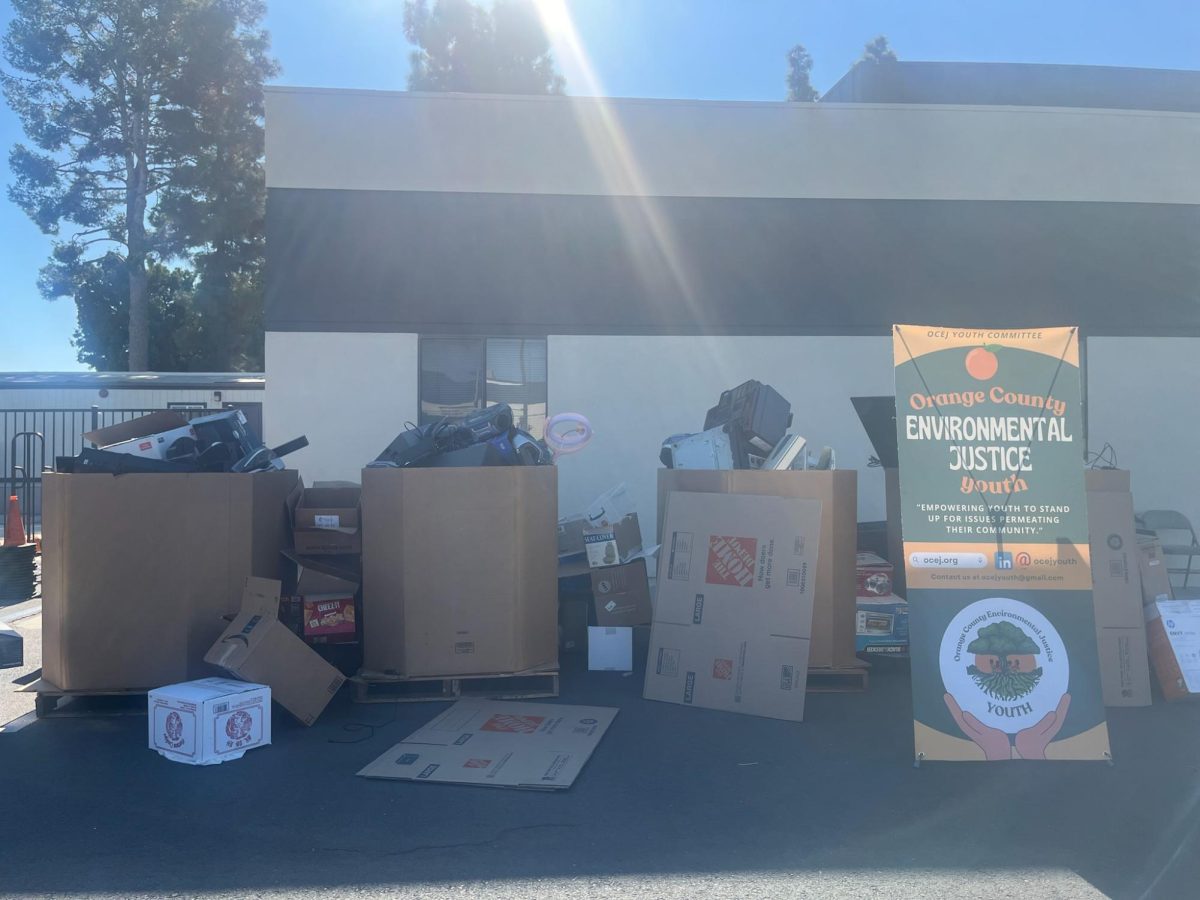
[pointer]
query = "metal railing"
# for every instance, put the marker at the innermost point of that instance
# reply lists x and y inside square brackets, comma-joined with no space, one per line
[23,459]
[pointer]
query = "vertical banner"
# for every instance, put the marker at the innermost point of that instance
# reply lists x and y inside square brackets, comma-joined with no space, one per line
[1002,631]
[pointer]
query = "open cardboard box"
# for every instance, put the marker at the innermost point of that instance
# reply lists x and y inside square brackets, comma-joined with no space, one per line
[326,519]
[257,647]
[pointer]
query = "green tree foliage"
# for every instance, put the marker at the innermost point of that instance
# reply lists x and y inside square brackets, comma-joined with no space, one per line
[103,333]
[799,85]
[462,46]
[144,127]
[1003,639]
[878,50]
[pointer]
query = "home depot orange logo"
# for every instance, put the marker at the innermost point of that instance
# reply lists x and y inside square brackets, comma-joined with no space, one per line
[731,560]
[513,724]
[723,669]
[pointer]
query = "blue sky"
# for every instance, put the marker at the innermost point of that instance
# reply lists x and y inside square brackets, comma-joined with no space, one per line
[708,49]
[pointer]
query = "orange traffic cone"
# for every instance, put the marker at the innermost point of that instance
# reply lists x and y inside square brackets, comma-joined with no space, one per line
[14,528]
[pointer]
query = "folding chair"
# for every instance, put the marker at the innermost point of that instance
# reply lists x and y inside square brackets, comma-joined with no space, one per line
[1168,520]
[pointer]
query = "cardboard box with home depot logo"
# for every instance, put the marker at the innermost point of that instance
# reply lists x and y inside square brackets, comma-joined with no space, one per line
[257,647]
[1116,590]
[536,746]
[733,616]
[139,570]
[834,610]
[459,570]
[872,575]
[326,519]
[209,721]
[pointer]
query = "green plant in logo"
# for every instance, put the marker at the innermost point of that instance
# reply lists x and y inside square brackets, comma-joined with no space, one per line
[1005,667]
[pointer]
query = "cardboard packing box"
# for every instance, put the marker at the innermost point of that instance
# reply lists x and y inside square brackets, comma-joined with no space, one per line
[320,598]
[1152,567]
[834,612]
[1173,631]
[257,647]
[460,570]
[733,616]
[1116,590]
[326,519]
[138,570]
[872,575]
[610,545]
[619,595]
[610,508]
[882,626]
[535,746]
[209,721]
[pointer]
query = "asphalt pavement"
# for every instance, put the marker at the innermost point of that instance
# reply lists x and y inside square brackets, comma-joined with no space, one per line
[676,802]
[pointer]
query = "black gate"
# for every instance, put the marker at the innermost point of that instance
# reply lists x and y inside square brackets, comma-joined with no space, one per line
[30,439]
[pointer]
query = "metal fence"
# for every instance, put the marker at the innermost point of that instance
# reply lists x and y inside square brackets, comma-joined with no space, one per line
[23,457]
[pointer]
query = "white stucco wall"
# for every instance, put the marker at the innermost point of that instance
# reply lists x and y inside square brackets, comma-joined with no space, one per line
[638,390]
[350,393]
[1142,399]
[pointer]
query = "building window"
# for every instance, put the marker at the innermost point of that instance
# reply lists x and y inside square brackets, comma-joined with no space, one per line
[463,374]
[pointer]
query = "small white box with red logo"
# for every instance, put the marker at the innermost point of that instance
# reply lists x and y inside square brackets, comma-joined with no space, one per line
[209,721]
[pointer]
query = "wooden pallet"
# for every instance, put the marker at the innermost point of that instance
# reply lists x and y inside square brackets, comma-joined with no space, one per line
[380,687]
[837,679]
[53,702]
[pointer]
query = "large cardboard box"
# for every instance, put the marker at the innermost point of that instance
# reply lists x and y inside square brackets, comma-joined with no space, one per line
[834,611]
[257,647]
[733,615]
[209,721]
[1173,630]
[492,743]
[1116,590]
[138,570]
[460,570]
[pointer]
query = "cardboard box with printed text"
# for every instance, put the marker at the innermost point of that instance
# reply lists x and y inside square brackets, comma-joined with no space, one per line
[733,615]
[834,612]
[257,647]
[139,569]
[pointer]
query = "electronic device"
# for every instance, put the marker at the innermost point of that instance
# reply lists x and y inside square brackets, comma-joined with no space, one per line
[787,453]
[757,411]
[711,449]
[446,443]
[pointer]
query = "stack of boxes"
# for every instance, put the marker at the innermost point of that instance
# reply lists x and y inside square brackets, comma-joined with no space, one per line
[604,583]
[321,597]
